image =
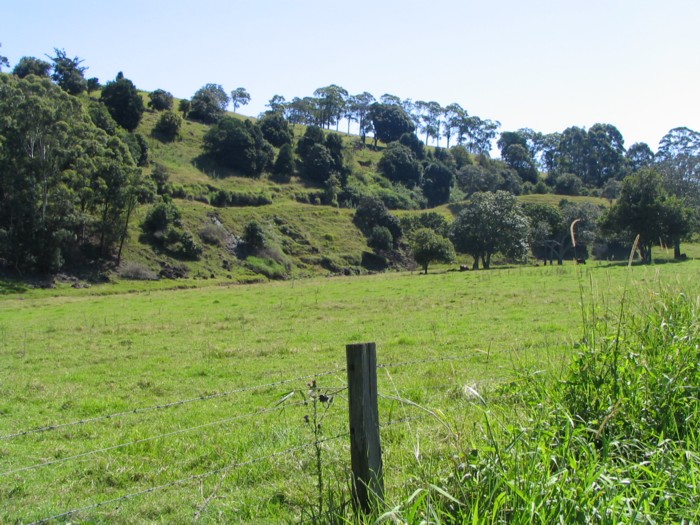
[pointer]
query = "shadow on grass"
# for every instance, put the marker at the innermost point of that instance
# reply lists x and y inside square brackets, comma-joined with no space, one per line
[10,286]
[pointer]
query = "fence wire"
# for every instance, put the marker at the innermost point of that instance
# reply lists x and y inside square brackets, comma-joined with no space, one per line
[188,479]
[143,410]
[152,438]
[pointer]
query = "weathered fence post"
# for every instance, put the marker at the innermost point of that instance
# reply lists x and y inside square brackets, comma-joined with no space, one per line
[365,447]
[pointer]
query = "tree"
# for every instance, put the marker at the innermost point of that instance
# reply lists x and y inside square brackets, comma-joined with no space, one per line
[399,164]
[428,246]
[93,84]
[160,100]
[4,62]
[168,126]
[68,73]
[372,212]
[453,115]
[389,122]
[331,102]
[546,225]
[65,185]
[239,97]
[275,128]
[438,179]
[639,155]
[208,104]
[284,166]
[123,102]
[360,107]
[31,66]
[431,115]
[491,223]
[239,145]
[277,103]
[645,209]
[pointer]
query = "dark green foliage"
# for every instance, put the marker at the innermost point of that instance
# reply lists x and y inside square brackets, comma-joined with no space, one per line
[161,178]
[208,104]
[123,102]
[567,184]
[313,135]
[322,156]
[438,179]
[184,107]
[380,238]
[68,73]
[646,210]
[163,228]
[93,84]
[275,128]
[318,163]
[639,155]
[138,147]
[285,165]
[411,141]
[168,126]
[160,217]
[65,185]
[31,66]
[160,100]
[372,212]
[399,164]
[225,198]
[390,122]
[100,116]
[239,145]
[487,175]
[491,223]
[431,220]
[428,246]
[254,235]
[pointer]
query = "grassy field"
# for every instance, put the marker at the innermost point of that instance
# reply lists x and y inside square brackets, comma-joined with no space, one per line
[193,371]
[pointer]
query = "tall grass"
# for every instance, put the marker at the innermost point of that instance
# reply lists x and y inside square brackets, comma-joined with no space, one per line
[614,439]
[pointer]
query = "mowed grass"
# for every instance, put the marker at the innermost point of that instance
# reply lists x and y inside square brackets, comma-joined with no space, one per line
[74,355]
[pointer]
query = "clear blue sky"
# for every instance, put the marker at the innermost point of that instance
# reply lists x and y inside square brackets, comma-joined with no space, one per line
[543,64]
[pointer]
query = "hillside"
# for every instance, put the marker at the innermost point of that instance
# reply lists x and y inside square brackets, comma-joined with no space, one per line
[308,238]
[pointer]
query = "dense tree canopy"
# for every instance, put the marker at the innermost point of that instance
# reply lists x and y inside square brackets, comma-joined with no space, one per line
[239,145]
[31,66]
[389,122]
[399,164]
[68,73]
[491,223]
[428,246]
[208,104]
[66,186]
[160,100]
[645,209]
[123,102]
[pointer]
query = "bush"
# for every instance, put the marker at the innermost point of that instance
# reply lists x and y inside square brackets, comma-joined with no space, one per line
[212,234]
[160,100]
[380,238]
[254,235]
[137,272]
[168,126]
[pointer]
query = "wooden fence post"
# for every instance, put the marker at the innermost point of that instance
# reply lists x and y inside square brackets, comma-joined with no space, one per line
[365,447]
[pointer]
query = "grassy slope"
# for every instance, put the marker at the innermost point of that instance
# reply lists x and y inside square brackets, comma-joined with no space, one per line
[316,231]
[69,354]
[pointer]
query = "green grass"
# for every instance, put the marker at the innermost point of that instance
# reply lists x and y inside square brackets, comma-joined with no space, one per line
[73,354]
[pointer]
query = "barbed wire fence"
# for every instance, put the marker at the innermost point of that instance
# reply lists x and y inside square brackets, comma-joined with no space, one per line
[283,402]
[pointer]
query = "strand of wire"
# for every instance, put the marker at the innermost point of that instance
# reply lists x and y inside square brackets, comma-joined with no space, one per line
[151,438]
[115,415]
[427,360]
[188,479]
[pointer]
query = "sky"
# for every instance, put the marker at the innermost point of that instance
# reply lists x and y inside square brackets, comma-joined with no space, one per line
[540,64]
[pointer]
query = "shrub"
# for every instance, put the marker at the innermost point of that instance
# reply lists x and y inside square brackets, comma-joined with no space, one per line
[168,126]
[212,234]
[254,235]
[380,238]
[137,272]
